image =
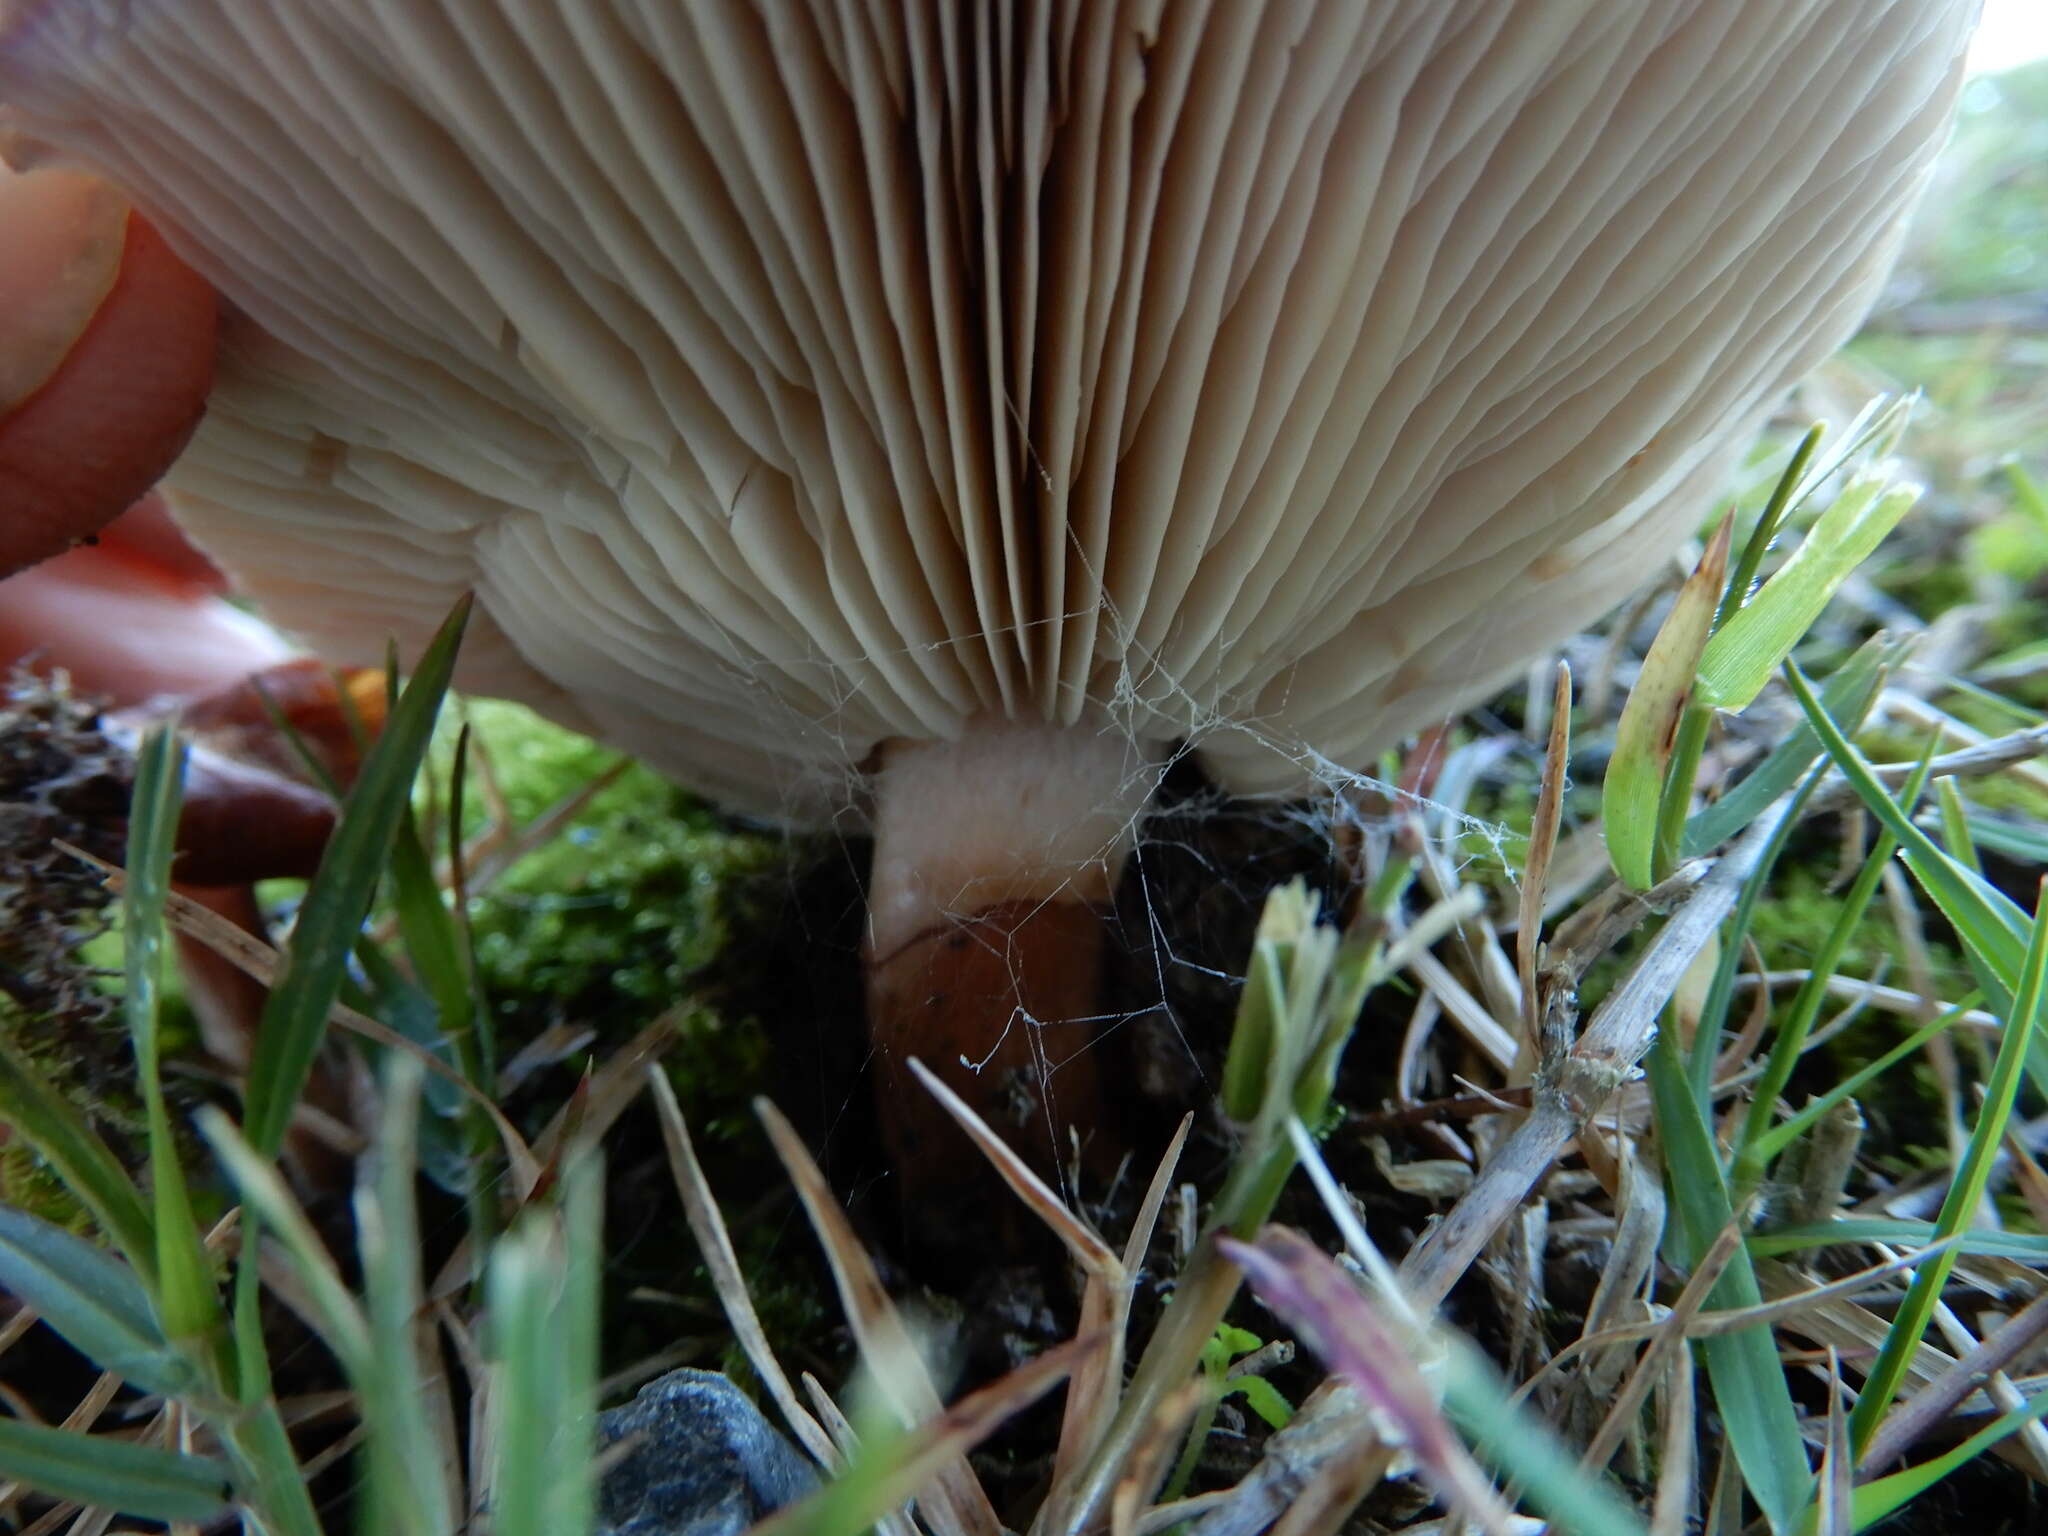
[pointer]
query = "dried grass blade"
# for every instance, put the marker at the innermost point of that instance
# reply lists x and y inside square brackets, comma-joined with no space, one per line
[885,1343]
[1140,1240]
[1333,1316]
[1479,1026]
[589,1113]
[1678,1466]
[723,1265]
[829,1415]
[1728,1319]
[1146,1466]
[1928,1408]
[1161,1517]
[497,853]
[607,1092]
[1330,1424]
[1093,1396]
[1322,1507]
[1542,844]
[1614,1040]
[1671,1332]
[896,1522]
[1834,1503]
[482,1408]
[1639,1229]
[1088,1249]
[1635,780]
[930,1448]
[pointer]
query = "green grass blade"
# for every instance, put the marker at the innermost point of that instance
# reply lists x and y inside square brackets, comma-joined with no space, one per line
[2028,492]
[542,1294]
[1681,777]
[1749,1385]
[447,1149]
[152,842]
[1956,835]
[1291,1042]
[408,1492]
[2029,1247]
[1768,526]
[92,1299]
[1881,1496]
[1756,640]
[1781,1136]
[2012,840]
[1985,918]
[1965,1192]
[1790,1043]
[573,1501]
[1517,1442]
[481,1017]
[1248,1066]
[268,1475]
[267,1467]
[256,1435]
[1706,1044]
[266,1201]
[186,1295]
[1848,695]
[1634,787]
[296,1017]
[519,1287]
[432,942]
[139,1480]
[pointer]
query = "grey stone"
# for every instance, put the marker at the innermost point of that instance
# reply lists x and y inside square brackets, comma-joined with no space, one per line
[706,1462]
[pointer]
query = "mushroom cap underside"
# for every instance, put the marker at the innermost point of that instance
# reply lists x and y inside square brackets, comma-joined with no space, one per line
[789,377]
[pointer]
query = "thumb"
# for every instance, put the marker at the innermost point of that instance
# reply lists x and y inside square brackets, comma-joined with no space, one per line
[106,357]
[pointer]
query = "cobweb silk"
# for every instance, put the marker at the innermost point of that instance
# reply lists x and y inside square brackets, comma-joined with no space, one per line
[790,378]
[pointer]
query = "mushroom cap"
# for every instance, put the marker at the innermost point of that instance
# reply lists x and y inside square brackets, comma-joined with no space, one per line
[789,377]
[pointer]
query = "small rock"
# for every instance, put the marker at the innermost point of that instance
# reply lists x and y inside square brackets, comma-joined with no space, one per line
[706,1463]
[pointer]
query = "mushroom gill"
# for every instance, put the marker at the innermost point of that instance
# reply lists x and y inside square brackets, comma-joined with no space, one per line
[932,414]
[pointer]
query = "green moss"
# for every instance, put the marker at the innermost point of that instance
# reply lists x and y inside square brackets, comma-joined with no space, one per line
[89,1064]
[622,913]
[1801,911]
[27,1184]
[626,906]
[1928,582]
[646,901]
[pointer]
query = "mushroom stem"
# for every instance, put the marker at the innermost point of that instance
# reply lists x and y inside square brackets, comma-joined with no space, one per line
[996,860]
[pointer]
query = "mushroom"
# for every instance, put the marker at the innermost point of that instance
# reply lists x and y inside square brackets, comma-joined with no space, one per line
[106,354]
[932,417]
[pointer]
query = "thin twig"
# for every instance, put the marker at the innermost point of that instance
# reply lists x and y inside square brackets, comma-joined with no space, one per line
[1569,1091]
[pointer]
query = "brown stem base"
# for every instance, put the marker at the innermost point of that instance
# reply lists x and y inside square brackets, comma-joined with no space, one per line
[1005,1007]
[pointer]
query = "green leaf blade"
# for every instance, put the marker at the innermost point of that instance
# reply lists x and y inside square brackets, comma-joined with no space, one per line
[100,1471]
[295,1020]
[1756,639]
[186,1295]
[1634,789]
[92,1299]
